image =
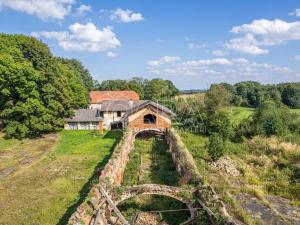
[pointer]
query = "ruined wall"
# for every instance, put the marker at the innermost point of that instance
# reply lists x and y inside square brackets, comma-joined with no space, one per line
[114,170]
[182,158]
[112,176]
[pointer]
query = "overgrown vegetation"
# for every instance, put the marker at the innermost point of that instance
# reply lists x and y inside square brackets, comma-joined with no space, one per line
[150,162]
[49,188]
[267,166]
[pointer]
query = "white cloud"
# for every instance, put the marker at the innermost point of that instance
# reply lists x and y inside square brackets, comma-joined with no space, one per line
[295,13]
[83,9]
[247,44]
[83,37]
[196,46]
[208,62]
[237,68]
[219,53]
[111,54]
[44,9]
[261,33]
[126,16]
[163,60]
[297,57]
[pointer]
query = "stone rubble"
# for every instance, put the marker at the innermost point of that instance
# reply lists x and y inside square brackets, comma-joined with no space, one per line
[226,165]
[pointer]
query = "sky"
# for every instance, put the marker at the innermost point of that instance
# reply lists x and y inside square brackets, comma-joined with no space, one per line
[194,43]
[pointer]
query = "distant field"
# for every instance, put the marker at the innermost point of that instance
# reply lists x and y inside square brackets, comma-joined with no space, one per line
[184,96]
[50,176]
[237,114]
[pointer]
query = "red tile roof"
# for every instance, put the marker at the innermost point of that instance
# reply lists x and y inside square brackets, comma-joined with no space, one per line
[99,96]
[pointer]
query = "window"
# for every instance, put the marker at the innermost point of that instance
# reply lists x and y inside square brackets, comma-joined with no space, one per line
[118,113]
[95,126]
[149,119]
[84,126]
[73,126]
[99,113]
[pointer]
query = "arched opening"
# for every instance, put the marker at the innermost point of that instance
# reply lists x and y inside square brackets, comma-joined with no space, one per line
[152,209]
[149,119]
[150,133]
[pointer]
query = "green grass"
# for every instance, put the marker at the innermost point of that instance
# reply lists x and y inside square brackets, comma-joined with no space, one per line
[150,162]
[237,114]
[49,189]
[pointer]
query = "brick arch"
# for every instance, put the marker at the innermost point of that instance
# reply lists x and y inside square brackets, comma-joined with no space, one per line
[161,190]
[153,130]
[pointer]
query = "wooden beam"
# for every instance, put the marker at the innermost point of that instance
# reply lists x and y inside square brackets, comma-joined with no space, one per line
[114,207]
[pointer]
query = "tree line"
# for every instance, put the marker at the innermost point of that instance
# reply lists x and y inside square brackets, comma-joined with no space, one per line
[154,89]
[252,94]
[37,89]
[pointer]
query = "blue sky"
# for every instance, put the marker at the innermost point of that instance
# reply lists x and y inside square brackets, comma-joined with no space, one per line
[193,43]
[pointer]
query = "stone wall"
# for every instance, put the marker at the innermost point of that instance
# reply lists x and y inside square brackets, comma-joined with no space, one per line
[114,170]
[182,158]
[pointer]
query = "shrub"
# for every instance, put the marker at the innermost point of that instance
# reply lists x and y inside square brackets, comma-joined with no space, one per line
[216,146]
[271,119]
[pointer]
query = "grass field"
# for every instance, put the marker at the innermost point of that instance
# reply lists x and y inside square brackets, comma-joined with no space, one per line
[237,114]
[56,179]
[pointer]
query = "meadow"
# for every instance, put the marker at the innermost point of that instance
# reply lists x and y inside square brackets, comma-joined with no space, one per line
[56,177]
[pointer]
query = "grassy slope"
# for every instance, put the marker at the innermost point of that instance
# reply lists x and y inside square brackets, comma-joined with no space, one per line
[48,190]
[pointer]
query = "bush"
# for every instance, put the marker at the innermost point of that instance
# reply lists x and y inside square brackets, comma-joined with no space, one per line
[271,119]
[216,146]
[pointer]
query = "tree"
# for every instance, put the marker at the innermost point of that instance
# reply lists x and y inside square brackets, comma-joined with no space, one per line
[291,95]
[82,74]
[219,122]
[216,146]
[157,89]
[36,90]
[216,97]
[248,90]
[271,119]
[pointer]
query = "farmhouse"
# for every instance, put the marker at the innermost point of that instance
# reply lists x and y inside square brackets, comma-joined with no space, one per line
[119,110]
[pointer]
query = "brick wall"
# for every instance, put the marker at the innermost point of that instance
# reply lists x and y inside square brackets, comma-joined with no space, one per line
[136,121]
